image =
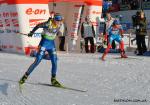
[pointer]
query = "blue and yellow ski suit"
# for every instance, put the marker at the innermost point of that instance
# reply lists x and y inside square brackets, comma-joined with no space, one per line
[47,43]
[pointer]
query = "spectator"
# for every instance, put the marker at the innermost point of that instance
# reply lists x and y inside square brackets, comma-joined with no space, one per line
[88,33]
[141,31]
[61,34]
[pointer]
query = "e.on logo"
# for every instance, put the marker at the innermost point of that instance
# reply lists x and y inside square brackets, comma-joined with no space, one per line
[31,11]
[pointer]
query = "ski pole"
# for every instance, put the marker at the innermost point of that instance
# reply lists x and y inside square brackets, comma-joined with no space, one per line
[22,33]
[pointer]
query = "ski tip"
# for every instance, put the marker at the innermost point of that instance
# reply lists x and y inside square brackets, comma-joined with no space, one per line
[20,88]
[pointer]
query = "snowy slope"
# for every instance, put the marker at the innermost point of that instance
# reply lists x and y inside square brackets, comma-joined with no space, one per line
[107,82]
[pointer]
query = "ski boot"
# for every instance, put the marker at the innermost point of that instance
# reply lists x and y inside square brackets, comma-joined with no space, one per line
[55,83]
[103,57]
[23,79]
[123,55]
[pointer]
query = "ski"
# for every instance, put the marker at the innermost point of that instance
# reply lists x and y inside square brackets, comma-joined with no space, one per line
[126,58]
[20,87]
[45,84]
[62,87]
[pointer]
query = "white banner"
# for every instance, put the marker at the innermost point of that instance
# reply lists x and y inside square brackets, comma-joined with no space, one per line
[21,18]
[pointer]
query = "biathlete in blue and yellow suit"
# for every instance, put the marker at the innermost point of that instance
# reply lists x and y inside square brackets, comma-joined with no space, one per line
[50,29]
[115,33]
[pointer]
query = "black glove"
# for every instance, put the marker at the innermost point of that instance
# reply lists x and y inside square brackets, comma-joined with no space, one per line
[30,34]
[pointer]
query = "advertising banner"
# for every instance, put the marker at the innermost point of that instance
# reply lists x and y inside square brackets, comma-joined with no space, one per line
[22,15]
[29,17]
[8,27]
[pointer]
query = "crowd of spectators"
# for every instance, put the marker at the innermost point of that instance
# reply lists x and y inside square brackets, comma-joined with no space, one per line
[133,4]
[126,4]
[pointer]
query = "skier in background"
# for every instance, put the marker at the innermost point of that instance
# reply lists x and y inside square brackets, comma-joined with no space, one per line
[115,33]
[50,29]
[108,23]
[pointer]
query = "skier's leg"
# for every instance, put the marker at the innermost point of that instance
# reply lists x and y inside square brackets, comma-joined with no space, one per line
[37,61]
[122,51]
[111,38]
[53,57]
[106,51]
[33,65]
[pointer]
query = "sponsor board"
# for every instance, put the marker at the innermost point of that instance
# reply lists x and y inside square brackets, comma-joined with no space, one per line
[8,14]
[8,18]
[9,31]
[20,18]
[23,18]
[34,22]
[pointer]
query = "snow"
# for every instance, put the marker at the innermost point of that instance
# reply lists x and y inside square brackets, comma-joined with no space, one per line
[110,82]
